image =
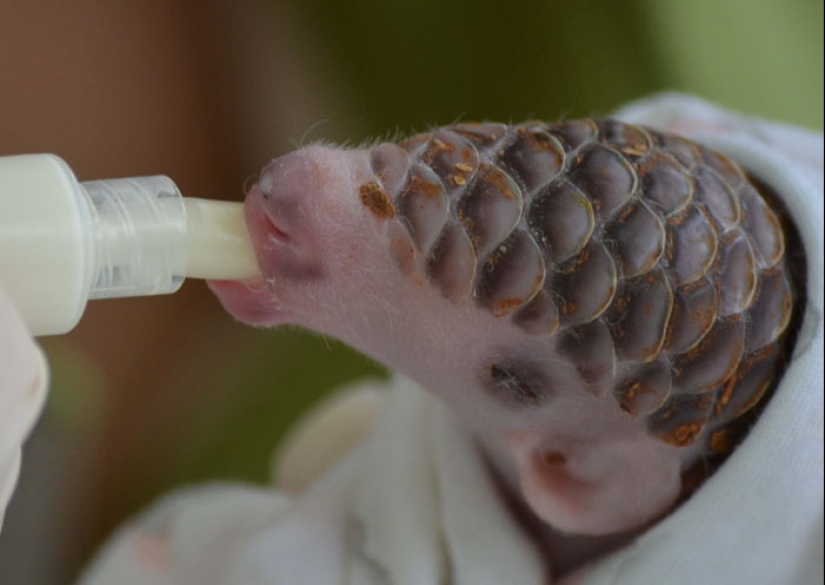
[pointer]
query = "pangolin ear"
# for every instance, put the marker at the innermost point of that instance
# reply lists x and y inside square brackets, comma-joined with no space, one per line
[597,489]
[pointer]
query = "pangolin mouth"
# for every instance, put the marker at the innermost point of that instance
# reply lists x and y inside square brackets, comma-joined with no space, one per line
[251,301]
[254,301]
[264,229]
[273,231]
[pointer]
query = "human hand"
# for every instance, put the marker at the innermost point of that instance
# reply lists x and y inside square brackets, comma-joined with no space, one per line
[23,383]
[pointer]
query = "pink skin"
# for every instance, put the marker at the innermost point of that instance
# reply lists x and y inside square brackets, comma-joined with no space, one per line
[576,464]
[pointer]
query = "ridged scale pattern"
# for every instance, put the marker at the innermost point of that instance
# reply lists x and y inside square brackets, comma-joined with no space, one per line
[656,262]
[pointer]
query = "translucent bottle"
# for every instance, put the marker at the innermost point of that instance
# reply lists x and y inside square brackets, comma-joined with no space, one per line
[63,242]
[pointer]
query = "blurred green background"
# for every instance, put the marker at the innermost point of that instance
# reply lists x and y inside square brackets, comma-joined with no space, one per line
[153,394]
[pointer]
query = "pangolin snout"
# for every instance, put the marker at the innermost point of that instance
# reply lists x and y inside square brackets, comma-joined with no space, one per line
[279,213]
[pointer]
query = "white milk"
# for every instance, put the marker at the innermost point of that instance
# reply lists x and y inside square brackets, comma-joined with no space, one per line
[64,242]
[219,245]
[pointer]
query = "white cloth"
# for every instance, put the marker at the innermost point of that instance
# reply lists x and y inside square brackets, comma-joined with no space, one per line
[24,378]
[415,505]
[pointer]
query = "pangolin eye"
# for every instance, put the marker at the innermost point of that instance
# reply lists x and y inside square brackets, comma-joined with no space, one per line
[517,382]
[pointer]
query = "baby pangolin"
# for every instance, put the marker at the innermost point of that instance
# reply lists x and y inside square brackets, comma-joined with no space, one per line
[605,307]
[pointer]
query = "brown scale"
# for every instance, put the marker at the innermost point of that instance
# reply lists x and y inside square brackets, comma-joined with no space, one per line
[660,265]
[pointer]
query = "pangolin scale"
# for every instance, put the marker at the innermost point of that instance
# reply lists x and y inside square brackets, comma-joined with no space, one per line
[660,267]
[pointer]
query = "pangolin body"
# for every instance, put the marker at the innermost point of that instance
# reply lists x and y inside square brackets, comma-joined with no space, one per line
[659,266]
